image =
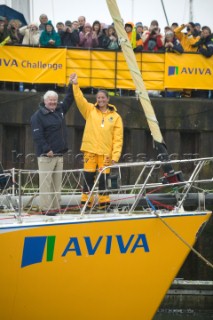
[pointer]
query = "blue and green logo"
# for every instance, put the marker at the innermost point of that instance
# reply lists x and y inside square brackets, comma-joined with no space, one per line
[191,71]
[34,248]
[173,70]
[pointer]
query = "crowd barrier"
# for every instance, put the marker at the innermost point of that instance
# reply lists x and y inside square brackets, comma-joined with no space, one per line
[106,69]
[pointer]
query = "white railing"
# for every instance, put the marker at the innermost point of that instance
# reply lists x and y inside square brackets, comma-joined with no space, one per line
[133,187]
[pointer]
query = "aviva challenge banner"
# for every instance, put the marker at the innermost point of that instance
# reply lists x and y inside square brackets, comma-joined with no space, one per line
[34,65]
[106,69]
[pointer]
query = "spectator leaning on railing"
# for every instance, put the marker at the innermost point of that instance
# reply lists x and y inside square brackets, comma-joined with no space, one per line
[48,37]
[4,32]
[13,28]
[88,38]
[69,36]
[134,37]
[43,20]
[31,34]
[111,41]
[205,44]
[189,38]
[172,44]
[152,38]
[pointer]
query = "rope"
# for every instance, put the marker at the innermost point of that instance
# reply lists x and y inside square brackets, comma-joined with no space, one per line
[198,254]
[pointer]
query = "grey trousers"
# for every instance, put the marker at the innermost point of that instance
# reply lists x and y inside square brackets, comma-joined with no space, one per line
[50,179]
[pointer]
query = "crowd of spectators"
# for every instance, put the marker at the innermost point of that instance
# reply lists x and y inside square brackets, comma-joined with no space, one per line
[189,37]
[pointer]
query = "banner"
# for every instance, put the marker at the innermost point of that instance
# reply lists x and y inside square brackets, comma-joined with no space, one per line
[108,69]
[33,65]
[105,69]
[188,71]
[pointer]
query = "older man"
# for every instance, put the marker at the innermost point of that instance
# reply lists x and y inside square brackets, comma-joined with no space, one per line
[50,137]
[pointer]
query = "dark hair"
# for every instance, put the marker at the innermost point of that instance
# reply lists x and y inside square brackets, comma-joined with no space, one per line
[154,23]
[104,92]
[175,24]
[192,24]
[206,28]
[96,22]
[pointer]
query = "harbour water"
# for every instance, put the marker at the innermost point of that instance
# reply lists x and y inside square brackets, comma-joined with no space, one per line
[187,299]
[183,315]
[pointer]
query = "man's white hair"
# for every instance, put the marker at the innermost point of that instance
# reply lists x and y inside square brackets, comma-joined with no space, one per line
[50,94]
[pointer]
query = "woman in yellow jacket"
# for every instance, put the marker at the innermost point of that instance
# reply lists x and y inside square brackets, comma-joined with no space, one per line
[102,140]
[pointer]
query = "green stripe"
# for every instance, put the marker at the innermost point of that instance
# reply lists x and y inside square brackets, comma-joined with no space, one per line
[50,247]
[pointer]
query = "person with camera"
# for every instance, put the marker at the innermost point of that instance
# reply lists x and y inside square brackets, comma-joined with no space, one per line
[14,33]
[30,34]
[188,38]
[205,44]
[69,36]
[152,38]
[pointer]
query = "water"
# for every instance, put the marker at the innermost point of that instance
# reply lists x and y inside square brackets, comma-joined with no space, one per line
[183,314]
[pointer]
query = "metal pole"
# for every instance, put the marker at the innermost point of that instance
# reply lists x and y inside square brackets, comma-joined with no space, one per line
[164,10]
[190,10]
[19,194]
[132,10]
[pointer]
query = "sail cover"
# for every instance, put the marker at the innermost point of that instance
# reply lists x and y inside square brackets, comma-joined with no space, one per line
[135,72]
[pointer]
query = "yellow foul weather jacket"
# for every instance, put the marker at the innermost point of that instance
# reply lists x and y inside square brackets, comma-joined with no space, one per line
[186,40]
[103,133]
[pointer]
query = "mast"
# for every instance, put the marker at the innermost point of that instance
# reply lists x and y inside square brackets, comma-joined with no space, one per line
[190,10]
[129,55]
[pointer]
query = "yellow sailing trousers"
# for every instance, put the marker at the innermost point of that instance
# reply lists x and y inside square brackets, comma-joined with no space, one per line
[92,162]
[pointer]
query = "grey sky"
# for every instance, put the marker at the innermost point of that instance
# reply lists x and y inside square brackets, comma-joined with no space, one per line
[131,10]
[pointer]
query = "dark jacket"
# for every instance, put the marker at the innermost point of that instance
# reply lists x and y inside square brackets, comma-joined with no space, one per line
[206,46]
[49,128]
[177,47]
[4,34]
[69,39]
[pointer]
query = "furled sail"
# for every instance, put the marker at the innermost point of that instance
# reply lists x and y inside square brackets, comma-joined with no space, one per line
[139,84]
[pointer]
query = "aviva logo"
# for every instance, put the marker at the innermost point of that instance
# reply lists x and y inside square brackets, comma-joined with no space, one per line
[174,71]
[34,248]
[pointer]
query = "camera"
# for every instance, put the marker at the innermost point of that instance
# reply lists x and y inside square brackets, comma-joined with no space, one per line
[154,30]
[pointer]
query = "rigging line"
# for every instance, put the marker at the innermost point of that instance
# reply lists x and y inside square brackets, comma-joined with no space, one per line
[198,254]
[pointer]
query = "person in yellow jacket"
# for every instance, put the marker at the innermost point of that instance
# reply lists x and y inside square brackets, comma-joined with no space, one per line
[189,38]
[102,140]
[134,37]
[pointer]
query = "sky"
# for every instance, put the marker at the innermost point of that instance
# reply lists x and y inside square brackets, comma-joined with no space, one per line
[131,10]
